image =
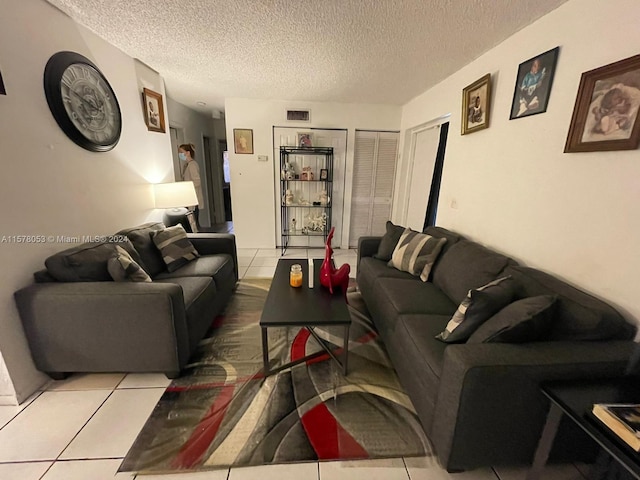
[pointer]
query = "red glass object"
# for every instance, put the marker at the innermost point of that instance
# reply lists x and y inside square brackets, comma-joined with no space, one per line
[331,276]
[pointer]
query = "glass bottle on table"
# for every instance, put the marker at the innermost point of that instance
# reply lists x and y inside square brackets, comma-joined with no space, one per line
[295,276]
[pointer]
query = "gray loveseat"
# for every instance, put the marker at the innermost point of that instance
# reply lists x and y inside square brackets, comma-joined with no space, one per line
[76,319]
[480,403]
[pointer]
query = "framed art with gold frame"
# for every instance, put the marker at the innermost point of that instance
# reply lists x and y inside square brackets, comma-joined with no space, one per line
[153,110]
[476,103]
[243,140]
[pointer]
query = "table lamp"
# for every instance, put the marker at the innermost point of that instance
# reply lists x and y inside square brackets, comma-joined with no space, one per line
[174,197]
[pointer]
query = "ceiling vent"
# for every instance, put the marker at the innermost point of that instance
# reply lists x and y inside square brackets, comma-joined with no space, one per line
[299,115]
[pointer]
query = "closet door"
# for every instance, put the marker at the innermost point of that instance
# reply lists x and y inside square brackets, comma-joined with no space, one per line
[374,169]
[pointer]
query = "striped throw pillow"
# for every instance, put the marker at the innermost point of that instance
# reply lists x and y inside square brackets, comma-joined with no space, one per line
[174,246]
[123,268]
[477,307]
[416,253]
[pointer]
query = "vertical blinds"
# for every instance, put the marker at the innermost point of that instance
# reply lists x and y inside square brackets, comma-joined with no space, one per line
[374,169]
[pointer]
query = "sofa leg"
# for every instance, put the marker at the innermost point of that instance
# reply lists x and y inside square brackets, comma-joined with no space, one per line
[58,375]
[172,375]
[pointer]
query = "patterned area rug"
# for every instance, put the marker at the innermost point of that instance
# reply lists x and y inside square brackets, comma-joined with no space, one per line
[223,413]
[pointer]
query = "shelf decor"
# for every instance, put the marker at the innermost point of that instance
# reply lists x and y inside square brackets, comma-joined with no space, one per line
[306,197]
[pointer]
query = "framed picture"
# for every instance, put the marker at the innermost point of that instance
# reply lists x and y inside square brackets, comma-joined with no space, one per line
[305,139]
[605,116]
[243,140]
[476,101]
[153,110]
[324,174]
[533,84]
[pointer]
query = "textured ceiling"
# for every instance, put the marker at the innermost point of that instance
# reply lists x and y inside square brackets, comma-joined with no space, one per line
[355,51]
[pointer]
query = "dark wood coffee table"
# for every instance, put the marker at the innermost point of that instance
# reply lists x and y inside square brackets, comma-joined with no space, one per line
[575,399]
[304,307]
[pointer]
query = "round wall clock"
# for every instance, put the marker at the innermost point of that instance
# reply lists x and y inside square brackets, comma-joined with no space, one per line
[82,101]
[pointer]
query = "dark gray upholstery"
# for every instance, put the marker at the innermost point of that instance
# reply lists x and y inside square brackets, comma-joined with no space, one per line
[106,326]
[140,237]
[480,404]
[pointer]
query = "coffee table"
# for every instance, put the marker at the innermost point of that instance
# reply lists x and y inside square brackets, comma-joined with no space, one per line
[304,307]
[575,399]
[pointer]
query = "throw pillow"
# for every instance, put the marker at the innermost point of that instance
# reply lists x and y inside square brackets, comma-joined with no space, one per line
[479,305]
[123,268]
[389,242]
[526,320]
[174,246]
[416,253]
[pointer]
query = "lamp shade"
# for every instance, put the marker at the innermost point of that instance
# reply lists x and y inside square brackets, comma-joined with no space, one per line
[176,194]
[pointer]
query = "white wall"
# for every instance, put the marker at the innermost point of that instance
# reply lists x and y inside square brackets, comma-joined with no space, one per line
[49,185]
[195,125]
[576,215]
[252,182]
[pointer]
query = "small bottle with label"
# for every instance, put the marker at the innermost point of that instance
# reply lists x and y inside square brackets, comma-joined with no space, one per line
[295,276]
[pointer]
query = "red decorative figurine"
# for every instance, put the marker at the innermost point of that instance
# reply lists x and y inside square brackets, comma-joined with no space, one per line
[329,275]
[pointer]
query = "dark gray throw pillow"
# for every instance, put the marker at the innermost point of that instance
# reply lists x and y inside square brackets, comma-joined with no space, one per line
[175,247]
[479,305]
[526,320]
[389,242]
[123,268]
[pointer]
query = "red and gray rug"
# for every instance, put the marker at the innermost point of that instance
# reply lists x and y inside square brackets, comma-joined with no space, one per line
[223,413]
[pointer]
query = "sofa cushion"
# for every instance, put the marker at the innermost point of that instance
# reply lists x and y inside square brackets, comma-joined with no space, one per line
[465,266]
[123,268]
[220,267]
[175,247]
[578,315]
[389,241]
[477,307]
[401,296]
[140,237]
[526,320]
[370,270]
[86,262]
[416,252]
[439,232]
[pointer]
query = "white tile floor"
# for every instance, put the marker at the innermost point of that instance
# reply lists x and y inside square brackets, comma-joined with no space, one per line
[82,427]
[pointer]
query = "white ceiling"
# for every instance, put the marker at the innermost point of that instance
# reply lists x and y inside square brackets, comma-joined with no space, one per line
[353,51]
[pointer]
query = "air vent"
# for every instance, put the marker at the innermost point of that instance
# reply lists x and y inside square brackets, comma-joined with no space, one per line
[299,115]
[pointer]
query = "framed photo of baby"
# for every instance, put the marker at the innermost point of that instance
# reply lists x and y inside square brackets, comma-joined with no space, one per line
[533,84]
[476,102]
[606,112]
[153,110]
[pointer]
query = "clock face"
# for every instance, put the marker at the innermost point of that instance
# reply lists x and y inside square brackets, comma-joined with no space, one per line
[82,101]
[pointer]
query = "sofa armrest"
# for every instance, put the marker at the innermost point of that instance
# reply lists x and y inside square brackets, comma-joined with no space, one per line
[489,401]
[368,246]
[105,326]
[212,243]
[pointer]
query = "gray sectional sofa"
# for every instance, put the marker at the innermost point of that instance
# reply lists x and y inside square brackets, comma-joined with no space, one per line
[480,403]
[76,319]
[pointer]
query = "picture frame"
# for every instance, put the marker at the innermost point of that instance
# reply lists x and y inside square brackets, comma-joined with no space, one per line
[243,140]
[533,84]
[324,174]
[305,139]
[153,110]
[476,105]
[606,113]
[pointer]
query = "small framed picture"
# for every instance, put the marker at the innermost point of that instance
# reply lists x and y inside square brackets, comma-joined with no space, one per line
[476,101]
[533,84]
[153,110]
[243,140]
[606,115]
[324,174]
[305,139]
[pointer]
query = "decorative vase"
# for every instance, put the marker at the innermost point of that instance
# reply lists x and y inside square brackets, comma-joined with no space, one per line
[329,275]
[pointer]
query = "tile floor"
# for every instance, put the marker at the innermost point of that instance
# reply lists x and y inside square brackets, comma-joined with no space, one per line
[82,427]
